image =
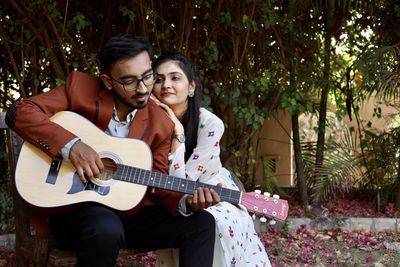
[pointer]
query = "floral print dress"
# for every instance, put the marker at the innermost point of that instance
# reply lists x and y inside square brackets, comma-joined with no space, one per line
[237,243]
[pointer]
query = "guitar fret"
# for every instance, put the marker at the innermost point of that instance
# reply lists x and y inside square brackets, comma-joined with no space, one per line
[159,180]
[165,183]
[173,184]
[136,175]
[146,174]
[130,176]
[123,170]
[183,185]
[143,177]
[230,194]
[170,182]
[139,175]
[152,179]
[179,186]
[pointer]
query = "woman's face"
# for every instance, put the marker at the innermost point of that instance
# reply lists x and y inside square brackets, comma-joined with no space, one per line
[172,85]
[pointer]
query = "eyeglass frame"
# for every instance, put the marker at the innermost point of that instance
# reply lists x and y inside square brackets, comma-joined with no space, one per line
[138,81]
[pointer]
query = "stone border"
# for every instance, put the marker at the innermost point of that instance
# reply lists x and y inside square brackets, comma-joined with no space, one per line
[325,223]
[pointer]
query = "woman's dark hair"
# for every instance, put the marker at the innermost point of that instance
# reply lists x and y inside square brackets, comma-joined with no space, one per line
[191,118]
[121,47]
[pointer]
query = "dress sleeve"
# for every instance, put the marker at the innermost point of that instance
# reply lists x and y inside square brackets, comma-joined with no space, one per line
[209,136]
[176,162]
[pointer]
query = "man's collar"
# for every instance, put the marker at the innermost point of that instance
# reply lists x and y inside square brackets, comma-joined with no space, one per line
[129,116]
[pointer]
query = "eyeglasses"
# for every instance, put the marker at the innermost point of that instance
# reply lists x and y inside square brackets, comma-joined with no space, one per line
[132,84]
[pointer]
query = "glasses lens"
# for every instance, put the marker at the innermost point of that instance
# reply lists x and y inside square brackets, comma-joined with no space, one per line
[131,86]
[148,79]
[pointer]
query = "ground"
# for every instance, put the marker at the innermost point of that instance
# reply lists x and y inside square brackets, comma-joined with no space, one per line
[307,247]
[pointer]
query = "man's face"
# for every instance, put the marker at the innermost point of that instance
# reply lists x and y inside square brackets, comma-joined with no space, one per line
[128,78]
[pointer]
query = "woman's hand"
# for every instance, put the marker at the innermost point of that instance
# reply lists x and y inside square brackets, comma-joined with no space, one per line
[178,125]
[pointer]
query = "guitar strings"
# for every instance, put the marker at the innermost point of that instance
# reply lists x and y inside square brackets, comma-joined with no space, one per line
[147,177]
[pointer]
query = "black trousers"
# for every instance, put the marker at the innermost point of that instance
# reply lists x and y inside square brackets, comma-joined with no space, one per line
[96,233]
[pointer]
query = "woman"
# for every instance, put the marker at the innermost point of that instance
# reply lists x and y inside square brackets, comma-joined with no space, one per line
[195,156]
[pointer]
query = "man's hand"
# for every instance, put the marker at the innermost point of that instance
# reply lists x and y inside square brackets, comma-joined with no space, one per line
[202,198]
[85,160]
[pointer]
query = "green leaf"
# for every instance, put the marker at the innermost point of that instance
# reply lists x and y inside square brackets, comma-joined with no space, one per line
[79,21]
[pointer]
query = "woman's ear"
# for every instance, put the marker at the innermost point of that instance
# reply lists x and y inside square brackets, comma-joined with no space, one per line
[192,87]
[106,80]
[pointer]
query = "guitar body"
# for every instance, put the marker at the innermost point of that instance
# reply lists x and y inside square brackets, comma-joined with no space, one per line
[45,183]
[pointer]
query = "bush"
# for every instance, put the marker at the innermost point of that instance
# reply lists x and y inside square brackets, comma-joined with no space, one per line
[6,209]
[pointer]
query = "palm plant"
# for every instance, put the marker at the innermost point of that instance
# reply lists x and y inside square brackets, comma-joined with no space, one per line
[338,175]
[380,151]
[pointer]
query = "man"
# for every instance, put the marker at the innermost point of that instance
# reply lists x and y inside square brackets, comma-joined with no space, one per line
[118,103]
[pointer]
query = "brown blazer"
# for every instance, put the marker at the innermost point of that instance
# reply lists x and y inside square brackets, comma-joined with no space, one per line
[87,96]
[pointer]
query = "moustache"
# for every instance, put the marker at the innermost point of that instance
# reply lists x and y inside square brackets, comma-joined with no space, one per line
[141,94]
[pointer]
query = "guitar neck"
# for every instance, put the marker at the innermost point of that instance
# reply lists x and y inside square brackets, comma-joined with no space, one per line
[159,180]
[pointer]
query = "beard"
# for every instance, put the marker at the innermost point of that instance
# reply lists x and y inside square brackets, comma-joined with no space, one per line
[122,99]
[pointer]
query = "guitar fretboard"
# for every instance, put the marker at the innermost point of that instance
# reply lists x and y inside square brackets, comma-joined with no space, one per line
[159,180]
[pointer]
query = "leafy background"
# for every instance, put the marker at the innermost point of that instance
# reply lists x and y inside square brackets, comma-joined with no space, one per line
[254,57]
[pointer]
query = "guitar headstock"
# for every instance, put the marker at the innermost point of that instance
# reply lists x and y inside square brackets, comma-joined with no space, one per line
[265,205]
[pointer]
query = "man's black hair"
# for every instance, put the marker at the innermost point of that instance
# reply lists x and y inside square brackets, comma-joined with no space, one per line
[122,47]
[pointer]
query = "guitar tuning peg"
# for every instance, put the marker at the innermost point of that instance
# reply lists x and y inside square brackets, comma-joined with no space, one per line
[267,194]
[276,196]
[272,222]
[257,191]
[263,219]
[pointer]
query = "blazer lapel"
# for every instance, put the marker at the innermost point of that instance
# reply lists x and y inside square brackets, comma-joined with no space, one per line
[104,108]
[139,126]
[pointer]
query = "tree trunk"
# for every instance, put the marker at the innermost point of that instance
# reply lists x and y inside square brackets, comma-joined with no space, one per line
[319,158]
[301,179]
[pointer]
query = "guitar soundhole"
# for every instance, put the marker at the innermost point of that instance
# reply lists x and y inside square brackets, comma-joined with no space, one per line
[110,167]
[105,178]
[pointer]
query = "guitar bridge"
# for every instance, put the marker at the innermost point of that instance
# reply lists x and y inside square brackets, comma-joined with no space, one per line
[53,171]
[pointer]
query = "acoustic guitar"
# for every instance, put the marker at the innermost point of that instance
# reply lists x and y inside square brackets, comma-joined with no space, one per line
[48,183]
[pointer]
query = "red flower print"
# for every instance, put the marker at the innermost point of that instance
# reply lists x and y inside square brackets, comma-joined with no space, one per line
[230,231]
[176,166]
[216,143]
[200,168]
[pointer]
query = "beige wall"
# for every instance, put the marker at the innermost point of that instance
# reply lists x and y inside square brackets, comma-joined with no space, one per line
[275,137]
[275,143]
[366,114]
